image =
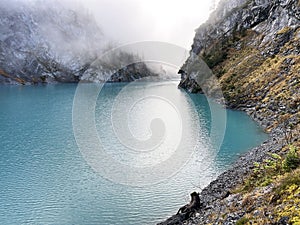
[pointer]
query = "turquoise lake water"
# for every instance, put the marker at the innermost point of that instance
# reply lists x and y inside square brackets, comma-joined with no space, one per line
[45,178]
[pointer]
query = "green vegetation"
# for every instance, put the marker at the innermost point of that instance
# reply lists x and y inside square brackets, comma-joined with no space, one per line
[275,166]
[214,58]
[288,182]
[281,176]
[263,173]
[292,160]
[288,192]
[242,221]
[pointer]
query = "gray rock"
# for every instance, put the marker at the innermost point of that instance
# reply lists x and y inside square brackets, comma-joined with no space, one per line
[283,221]
[266,17]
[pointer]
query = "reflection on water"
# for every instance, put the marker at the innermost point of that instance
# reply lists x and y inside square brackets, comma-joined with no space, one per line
[45,179]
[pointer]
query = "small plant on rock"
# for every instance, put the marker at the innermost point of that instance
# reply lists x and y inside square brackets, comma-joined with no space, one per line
[264,172]
[292,160]
[242,221]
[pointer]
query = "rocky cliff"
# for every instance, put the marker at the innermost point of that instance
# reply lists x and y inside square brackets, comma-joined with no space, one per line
[54,41]
[252,47]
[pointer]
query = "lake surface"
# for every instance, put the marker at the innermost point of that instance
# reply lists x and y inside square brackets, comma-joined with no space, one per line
[45,178]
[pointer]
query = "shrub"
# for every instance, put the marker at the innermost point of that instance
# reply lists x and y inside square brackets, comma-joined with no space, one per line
[264,172]
[242,221]
[292,160]
[292,179]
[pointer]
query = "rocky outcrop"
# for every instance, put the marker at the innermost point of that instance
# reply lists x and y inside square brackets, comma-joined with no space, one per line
[232,21]
[52,41]
[252,47]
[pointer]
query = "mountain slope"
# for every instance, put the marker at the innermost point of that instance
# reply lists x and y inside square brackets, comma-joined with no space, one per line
[51,41]
[252,47]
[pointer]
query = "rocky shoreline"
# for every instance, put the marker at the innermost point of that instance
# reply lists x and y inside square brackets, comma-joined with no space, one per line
[220,189]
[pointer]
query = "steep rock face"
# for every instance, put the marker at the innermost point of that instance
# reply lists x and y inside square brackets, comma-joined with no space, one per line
[252,47]
[51,41]
[235,16]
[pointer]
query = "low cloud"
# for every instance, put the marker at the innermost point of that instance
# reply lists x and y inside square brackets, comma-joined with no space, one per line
[138,20]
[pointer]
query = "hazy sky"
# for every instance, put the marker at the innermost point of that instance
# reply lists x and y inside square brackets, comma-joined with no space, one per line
[172,21]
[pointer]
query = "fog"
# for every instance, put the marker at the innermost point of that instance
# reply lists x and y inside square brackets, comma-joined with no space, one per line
[76,38]
[172,21]
[127,21]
